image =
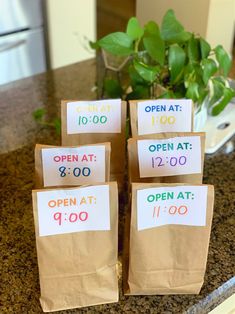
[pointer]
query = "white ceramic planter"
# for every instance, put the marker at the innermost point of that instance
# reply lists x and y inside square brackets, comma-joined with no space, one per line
[200,118]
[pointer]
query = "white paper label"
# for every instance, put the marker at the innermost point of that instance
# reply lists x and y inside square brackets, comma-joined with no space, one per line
[169,157]
[75,210]
[73,166]
[101,116]
[164,115]
[180,205]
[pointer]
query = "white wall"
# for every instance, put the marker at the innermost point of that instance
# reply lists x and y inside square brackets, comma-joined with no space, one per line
[212,19]
[69,22]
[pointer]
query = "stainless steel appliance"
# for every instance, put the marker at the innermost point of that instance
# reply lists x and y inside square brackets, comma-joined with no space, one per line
[22,51]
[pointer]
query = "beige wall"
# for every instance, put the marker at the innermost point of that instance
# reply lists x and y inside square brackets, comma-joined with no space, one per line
[212,19]
[220,27]
[69,21]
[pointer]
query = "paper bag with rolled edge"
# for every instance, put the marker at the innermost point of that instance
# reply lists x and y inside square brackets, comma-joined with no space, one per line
[133,106]
[117,140]
[133,162]
[78,269]
[39,180]
[162,260]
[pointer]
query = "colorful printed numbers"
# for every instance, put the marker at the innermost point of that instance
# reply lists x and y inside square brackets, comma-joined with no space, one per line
[163,120]
[76,172]
[164,115]
[172,210]
[70,217]
[101,116]
[180,205]
[168,157]
[83,120]
[73,210]
[171,161]
[74,165]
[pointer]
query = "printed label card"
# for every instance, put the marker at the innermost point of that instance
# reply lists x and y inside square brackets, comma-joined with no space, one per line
[100,116]
[161,116]
[170,156]
[166,158]
[73,166]
[64,166]
[179,205]
[73,210]
[97,121]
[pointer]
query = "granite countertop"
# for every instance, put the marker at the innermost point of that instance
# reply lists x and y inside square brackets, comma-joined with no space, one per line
[19,287]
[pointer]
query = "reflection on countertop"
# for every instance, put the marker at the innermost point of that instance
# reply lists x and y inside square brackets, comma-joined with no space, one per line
[18,261]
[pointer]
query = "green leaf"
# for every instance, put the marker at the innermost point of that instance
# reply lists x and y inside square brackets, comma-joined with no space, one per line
[152,28]
[176,60]
[57,125]
[193,49]
[203,93]
[209,68]
[167,95]
[193,73]
[155,46]
[217,92]
[39,114]
[180,90]
[224,60]
[228,94]
[135,78]
[139,92]
[94,44]
[134,30]
[153,43]
[118,43]
[198,73]
[193,91]
[148,73]
[172,30]
[189,74]
[113,88]
[205,48]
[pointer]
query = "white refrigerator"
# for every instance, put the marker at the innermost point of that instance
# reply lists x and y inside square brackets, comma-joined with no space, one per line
[22,48]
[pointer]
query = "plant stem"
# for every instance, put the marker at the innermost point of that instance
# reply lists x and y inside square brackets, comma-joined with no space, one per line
[137,45]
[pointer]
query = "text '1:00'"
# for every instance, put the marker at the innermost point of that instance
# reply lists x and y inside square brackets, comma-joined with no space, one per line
[163,120]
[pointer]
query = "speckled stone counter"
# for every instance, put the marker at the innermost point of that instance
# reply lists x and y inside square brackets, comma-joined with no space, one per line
[19,284]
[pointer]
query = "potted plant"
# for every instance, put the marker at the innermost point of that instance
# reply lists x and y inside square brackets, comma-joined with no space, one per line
[168,62]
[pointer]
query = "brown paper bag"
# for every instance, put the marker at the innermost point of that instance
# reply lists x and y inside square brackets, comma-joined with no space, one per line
[133,107]
[133,162]
[39,180]
[168,259]
[77,269]
[117,140]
